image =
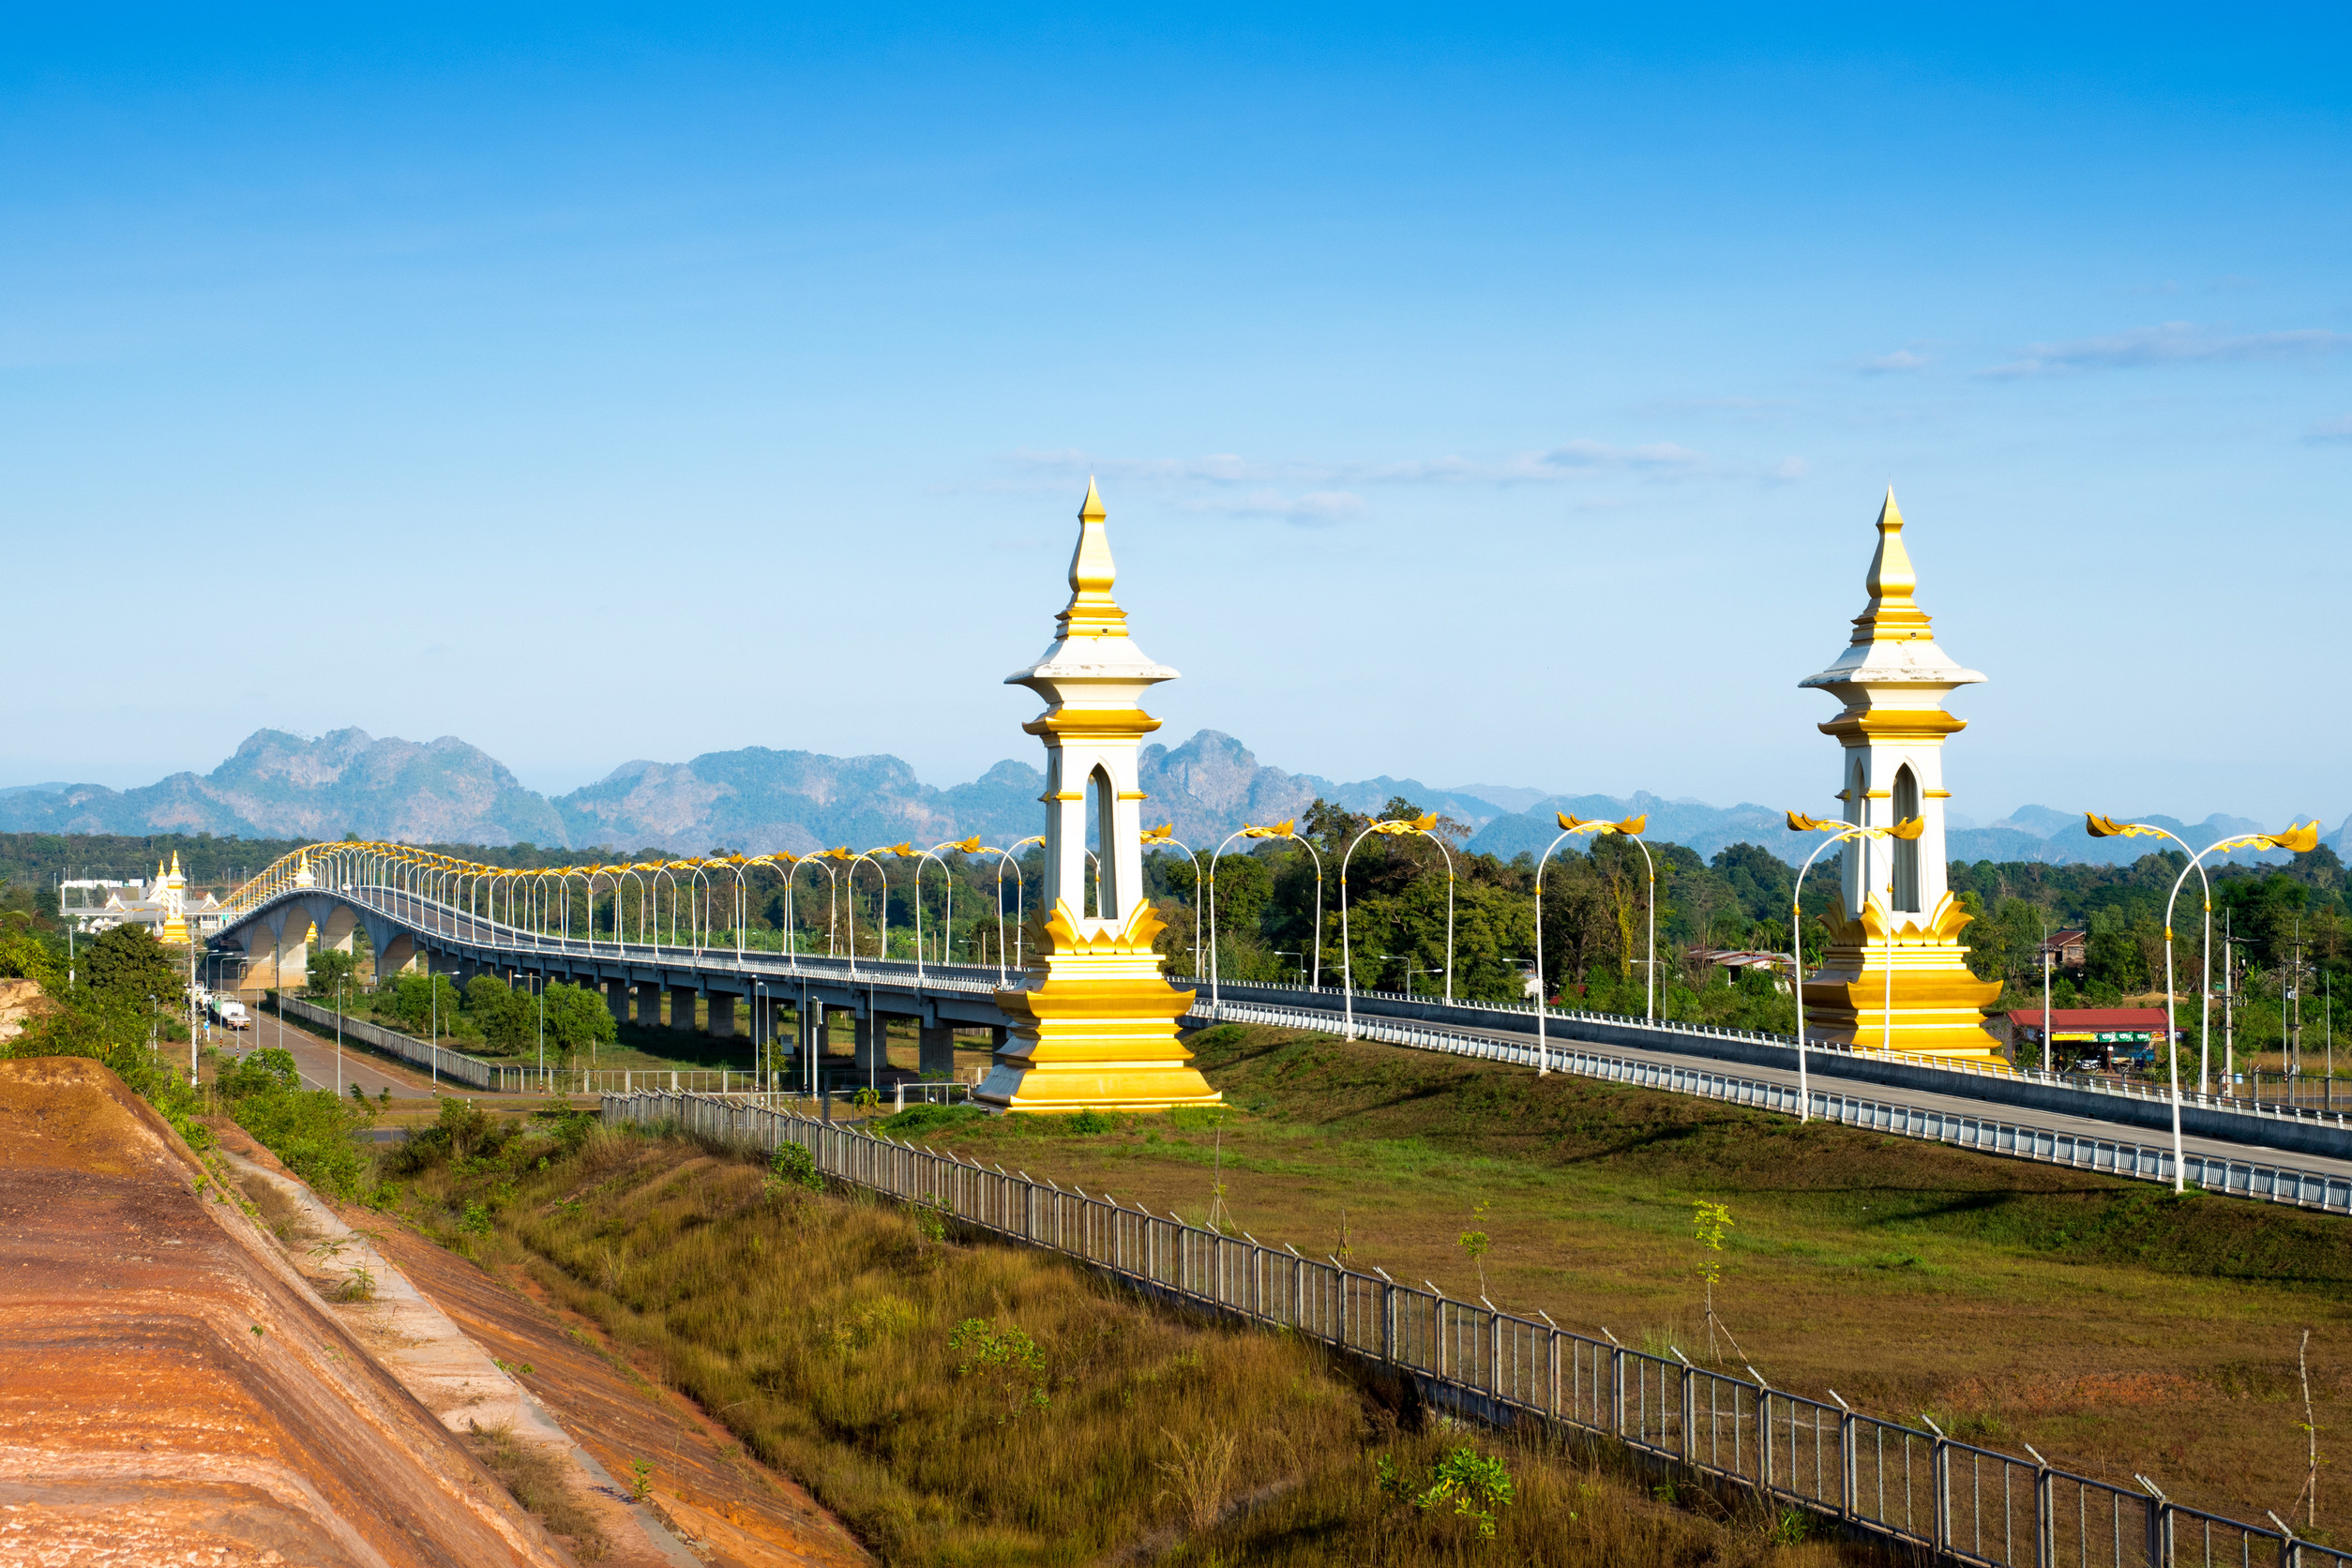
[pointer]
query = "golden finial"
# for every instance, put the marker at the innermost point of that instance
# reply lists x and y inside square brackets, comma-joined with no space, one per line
[1891,617]
[1091,611]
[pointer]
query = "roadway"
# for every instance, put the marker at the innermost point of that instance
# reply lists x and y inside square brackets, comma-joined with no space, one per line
[314,1059]
[1949,1105]
[459,936]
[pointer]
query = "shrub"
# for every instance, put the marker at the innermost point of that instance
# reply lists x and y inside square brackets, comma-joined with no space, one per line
[793,1166]
[917,1120]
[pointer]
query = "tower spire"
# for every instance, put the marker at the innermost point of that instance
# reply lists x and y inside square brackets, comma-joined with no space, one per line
[1892,615]
[1092,610]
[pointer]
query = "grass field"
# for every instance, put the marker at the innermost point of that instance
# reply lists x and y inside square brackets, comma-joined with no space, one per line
[2108,1323]
[978,1403]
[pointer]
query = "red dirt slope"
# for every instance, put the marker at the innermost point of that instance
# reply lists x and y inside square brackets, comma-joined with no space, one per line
[168,1387]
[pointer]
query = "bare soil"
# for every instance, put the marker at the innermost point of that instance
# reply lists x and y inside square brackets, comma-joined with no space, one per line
[165,1378]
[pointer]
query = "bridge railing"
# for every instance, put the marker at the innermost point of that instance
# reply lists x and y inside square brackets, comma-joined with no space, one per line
[1920,1488]
[1986,1133]
[752,965]
[526,1077]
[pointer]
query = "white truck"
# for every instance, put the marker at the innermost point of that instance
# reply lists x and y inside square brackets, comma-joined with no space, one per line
[230,1014]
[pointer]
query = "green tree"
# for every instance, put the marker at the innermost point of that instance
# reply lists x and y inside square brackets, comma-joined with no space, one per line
[332,971]
[24,956]
[577,1020]
[507,1019]
[128,962]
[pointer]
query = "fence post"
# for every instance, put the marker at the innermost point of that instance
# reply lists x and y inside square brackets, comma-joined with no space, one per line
[1939,1484]
[1690,1410]
[2159,1524]
[1846,1463]
[2044,1519]
[1617,1388]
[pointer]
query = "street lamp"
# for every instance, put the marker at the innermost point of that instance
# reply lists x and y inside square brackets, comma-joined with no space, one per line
[2296,840]
[1395,827]
[1910,827]
[1406,959]
[946,951]
[1159,836]
[1631,827]
[1315,941]
[1542,1050]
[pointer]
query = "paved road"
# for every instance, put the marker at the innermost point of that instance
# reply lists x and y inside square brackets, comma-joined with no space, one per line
[315,1056]
[1950,1105]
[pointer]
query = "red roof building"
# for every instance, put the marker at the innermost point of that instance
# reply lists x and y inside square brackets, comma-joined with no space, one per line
[2091,1026]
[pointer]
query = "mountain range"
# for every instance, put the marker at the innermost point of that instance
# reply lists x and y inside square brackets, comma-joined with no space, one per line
[756,800]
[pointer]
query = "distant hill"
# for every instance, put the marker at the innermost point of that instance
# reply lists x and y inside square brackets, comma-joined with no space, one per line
[279,785]
[755,799]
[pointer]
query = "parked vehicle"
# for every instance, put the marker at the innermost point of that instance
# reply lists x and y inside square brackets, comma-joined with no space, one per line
[230,1014]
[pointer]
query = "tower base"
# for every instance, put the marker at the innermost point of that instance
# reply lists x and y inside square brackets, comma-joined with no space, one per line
[1937,1007]
[1097,1028]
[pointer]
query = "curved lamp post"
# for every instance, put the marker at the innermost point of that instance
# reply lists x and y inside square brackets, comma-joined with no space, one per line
[1543,1049]
[1160,837]
[2296,840]
[947,944]
[1003,858]
[1283,830]
[1020,895]
[1839,833]
[882,932]
[1395,827]
[2107,827]
[1631,827]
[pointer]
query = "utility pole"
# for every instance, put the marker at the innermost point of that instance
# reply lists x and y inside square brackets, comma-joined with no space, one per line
[2229,996]
[2291,1009]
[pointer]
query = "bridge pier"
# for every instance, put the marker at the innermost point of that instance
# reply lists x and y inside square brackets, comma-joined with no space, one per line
[617,999]
[681,1000]
[936,1051]
[290,952]
[873,1042]
[722,1024]
[648,1005]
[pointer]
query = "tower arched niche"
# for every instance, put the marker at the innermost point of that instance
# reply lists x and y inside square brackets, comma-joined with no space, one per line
[1102,803]
[1905,866]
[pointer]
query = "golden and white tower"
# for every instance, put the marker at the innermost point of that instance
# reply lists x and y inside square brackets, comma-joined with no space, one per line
[1912,990]
[1096,1026]
[171,891]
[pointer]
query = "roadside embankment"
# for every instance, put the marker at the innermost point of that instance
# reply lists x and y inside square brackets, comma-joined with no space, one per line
[168,1381]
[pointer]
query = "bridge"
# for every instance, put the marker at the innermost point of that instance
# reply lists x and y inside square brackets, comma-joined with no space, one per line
[1085,1017]
[421,911]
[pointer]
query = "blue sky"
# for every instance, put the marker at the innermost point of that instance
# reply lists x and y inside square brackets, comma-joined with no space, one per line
[1477,395]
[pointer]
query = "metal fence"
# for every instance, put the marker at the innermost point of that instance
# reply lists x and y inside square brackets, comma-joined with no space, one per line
[1920,1486]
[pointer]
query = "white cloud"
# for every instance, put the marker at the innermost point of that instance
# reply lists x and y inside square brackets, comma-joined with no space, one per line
[1313,509]
[1890,364]
[2172,344]
[1570,460]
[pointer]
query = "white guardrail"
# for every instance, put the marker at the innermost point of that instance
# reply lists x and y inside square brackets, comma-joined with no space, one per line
[1968,1504]
[511,1078]
[2110,1156]
[458,924]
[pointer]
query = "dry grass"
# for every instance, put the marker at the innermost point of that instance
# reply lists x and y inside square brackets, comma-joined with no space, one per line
[1563,1511]
[976,1403]
[2113,1326]
[536,1480]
